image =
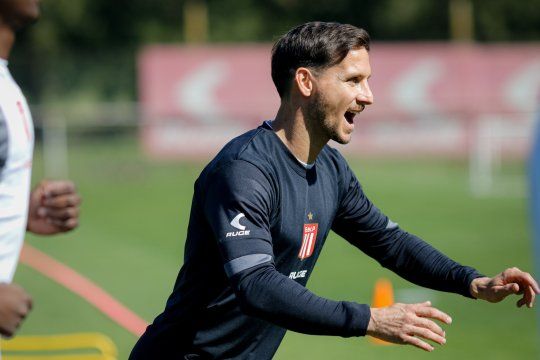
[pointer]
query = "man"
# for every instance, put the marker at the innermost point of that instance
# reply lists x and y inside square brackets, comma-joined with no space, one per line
[52,207]
[264,206]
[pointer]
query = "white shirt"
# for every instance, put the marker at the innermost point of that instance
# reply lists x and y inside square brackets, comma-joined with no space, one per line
[16,123]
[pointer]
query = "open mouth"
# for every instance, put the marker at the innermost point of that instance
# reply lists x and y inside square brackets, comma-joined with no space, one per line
[349,116]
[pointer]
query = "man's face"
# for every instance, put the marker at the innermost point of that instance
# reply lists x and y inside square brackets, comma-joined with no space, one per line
[341,92]
[19,13]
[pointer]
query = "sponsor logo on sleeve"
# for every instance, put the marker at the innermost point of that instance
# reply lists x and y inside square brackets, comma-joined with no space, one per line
[236,224]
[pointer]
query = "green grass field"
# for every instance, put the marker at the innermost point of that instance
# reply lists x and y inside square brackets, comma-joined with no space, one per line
[133,225]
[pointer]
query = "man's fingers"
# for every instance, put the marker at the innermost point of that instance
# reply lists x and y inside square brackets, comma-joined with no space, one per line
[427,334]
[62,201]
[418,343]
[64,225]
[59,214]
[505,290]
[430,325]
[24,304]
[23,311]
[527,298]
[7,331]
[521,277]
[56,188]
[30,302]
[529,295]
[433,313]
[531,283]
[535,287]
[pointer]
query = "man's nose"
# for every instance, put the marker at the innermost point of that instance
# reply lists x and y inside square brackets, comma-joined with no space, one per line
[365,96]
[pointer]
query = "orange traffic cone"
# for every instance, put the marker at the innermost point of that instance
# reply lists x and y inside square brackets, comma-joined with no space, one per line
[383,296]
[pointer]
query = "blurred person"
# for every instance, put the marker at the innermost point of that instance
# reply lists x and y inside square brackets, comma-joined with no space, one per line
[534,186]
[264,206]
[53,206]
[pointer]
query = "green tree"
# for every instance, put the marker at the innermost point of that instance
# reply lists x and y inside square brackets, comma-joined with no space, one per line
[85,50]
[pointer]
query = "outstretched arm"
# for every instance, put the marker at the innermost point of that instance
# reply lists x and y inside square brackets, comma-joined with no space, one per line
[510,281]
[361,223]
[53,208]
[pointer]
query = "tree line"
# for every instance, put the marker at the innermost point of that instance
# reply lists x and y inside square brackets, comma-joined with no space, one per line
[85,50]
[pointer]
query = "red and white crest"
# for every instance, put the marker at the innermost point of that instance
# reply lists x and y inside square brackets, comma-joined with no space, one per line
[308,241]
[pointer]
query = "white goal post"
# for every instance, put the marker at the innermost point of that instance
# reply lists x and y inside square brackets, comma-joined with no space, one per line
[493,140]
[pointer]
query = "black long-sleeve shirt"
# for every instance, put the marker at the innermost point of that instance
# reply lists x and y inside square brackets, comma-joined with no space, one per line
[259,220]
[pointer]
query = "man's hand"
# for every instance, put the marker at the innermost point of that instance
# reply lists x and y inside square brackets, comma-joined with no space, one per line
[510,281]
[407,324]
[15,304]
[53,208]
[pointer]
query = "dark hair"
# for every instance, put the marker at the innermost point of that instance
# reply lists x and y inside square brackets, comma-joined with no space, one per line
[316,45]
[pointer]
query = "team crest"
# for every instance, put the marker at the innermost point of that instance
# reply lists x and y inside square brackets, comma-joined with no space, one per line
[309,238]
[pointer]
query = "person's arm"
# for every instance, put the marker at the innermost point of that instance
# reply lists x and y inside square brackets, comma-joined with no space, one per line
[241,197]
[366,227]
[53,208]
[265,293]
[362,224]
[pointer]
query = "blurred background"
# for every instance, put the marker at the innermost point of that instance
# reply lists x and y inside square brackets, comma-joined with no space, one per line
[131,98]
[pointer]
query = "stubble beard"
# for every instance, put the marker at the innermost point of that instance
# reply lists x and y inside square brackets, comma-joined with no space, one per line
[317,114]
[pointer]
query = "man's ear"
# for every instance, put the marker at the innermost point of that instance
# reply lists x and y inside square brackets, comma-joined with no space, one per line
[304,80]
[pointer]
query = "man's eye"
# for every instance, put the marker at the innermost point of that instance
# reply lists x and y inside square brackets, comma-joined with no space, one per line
[354,81]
